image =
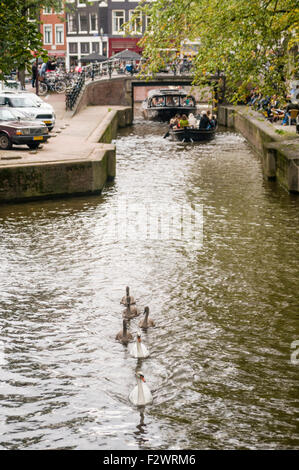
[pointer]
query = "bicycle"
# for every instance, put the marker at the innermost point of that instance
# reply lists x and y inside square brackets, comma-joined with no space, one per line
[47,85]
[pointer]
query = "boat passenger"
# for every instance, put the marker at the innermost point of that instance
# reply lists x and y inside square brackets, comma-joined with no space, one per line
[213,121]
[170,101]
[184,121]
[175,122]
[204,121]
[192,120]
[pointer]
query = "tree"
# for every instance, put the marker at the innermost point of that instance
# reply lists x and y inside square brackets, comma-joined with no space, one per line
[19,32]
[248,40]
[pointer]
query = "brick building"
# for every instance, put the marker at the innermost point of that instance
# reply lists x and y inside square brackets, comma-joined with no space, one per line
[53,29]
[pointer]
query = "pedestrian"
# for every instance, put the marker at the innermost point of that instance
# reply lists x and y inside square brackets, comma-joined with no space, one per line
[34,74]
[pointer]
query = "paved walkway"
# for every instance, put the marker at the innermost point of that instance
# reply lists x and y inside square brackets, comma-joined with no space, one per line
[71,136]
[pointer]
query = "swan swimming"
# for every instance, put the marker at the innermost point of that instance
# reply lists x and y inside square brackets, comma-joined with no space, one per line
[141,394]
[125,298]
[146,322]
[124,336]
[131,311]
[138,349]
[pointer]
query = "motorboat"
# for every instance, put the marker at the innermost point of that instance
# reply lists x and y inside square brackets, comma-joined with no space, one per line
[164,104]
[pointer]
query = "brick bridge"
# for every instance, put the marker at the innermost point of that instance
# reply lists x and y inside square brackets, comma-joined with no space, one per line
[120,90]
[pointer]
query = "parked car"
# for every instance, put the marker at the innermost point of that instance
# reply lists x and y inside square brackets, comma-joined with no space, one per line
[30,106]
[15,131]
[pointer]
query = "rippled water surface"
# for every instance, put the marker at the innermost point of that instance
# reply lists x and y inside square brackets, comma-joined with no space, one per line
[226,312]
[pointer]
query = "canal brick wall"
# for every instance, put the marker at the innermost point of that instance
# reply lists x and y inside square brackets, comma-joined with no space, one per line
[78,161]
[278,148]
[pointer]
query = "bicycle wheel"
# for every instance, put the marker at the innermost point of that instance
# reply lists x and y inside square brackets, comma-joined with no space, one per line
[60,87]
[42,89]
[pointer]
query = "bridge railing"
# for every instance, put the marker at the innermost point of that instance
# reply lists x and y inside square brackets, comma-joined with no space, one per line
[107,69]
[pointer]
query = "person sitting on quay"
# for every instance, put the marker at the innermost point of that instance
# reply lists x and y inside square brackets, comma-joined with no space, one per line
[287,111]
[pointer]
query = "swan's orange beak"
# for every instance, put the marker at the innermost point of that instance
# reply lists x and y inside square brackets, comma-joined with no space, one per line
[142,378]
[139,339]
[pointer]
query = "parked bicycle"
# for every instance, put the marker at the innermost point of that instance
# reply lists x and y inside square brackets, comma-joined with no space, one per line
[49,84]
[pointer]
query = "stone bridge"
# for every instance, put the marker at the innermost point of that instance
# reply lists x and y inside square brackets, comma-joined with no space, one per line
[120,90]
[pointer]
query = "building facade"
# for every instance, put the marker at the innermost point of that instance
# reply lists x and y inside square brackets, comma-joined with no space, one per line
[53,29]
[95,27]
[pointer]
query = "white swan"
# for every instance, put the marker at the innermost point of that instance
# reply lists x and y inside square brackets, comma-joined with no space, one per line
[127,299]
[124,336]
[146,322]
[138,349]
[141,394]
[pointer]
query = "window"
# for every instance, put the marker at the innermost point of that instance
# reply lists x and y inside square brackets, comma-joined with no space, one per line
[136,27]
[47,11]
[73,48]
[147,22]
[59,8]
[47,34]
[95,47]
[59,34]
[118,19]
[83,23]
[81,3]
[84,47]
[72,25]
[93,22]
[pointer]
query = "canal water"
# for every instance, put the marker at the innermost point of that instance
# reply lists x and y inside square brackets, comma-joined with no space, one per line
[222,368]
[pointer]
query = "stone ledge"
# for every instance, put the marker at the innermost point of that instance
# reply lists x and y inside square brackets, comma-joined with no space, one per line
[279,152]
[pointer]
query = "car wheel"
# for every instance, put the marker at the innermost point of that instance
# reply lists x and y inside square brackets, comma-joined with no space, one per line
[5,143]
[33,146]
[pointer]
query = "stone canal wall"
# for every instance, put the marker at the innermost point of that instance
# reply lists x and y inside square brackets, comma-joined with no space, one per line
[78,161]
[278,148]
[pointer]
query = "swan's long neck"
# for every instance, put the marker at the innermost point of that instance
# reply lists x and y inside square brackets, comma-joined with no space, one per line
[125,329]
[141,398]
[128,303]
[146,317]
[139,349]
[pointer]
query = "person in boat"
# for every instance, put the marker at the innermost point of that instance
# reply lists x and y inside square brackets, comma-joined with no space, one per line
[170,101]
[184,121]
[175,122]
[204,121]
[192,120]
[213,121]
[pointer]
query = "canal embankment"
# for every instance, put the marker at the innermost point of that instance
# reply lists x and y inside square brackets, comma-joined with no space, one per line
[278,148]
[78,159]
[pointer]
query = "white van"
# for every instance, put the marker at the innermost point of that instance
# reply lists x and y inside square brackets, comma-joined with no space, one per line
[32,106]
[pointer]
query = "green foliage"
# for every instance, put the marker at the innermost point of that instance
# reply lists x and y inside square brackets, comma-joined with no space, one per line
[19,32]
[247,40]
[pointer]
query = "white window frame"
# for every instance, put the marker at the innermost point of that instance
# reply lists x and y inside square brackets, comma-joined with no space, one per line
[45,12]
[84,53]
[51,27]
[68,23]
[56,27]
[133,30]
[82,31]
[97,22]
[59,12]
[124,20]
[80,5]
